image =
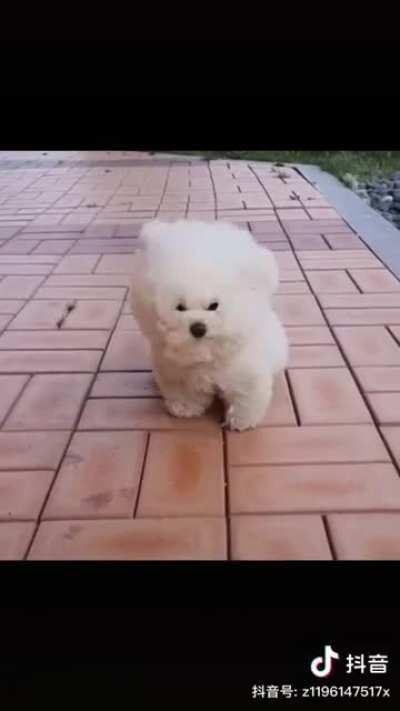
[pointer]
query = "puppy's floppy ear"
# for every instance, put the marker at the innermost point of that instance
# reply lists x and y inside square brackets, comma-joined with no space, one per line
[262,270]
[143,285]
[142,293]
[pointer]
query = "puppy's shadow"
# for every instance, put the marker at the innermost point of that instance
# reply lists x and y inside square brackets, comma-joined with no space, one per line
[216,411]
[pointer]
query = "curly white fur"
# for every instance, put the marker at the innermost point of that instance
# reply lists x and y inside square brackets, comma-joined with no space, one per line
[192,265]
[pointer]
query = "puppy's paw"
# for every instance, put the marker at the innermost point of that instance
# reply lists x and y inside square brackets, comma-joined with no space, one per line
[178,408]
[235,420]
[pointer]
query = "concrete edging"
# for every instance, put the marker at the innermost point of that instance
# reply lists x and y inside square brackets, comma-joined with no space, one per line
[379,234]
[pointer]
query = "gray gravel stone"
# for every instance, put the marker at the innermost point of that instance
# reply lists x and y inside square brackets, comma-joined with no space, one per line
[382,194]
[381,189]
[350,180]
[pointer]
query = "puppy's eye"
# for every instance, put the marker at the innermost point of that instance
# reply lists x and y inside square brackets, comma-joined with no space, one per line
[181,307]
[213,306]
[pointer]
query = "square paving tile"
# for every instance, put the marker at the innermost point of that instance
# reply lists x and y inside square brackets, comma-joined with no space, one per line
[328,395]
[183,475]
[140,539]
[127,350]
[366,536]
[22,494]
[313,488]
[99,476]
[279,538]
[32,450]
[306,445]
[49,402]
[15,538]
[11,387]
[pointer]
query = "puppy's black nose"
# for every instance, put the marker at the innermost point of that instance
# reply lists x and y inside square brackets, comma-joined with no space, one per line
[198,329]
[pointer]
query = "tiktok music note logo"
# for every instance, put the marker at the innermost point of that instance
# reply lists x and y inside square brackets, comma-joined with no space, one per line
[322,666]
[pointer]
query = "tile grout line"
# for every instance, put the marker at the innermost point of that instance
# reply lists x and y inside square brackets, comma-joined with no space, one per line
[338,345]
[108,517]
[14,402]
[73,431]
[47,372]
[66,372]
[9,239]
[143,428]
[359,235]
[57,469]
[274,209]
[292,396]
[166,179]
[393,336]
[329,537]
[216,210]
[324,239]
[360,291]
[198,516]
[291,248]
[305,208]
[226,495]
[313,463]
[141,478]
[67,349]
[188,199]
[31,540]
[349,368]
[100,257]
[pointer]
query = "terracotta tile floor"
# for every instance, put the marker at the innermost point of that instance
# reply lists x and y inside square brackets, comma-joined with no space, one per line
[91,465]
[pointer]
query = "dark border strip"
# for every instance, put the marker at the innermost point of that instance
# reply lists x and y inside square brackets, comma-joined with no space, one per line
[379,234]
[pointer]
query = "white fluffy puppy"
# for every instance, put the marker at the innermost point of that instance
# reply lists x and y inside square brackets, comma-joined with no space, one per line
[201,293]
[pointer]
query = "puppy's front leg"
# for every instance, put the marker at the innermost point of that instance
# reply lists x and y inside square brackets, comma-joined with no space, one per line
[186,407]
[247,404]
[182,401]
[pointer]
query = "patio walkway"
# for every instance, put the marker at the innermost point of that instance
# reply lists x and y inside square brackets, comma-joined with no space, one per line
[92,467]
